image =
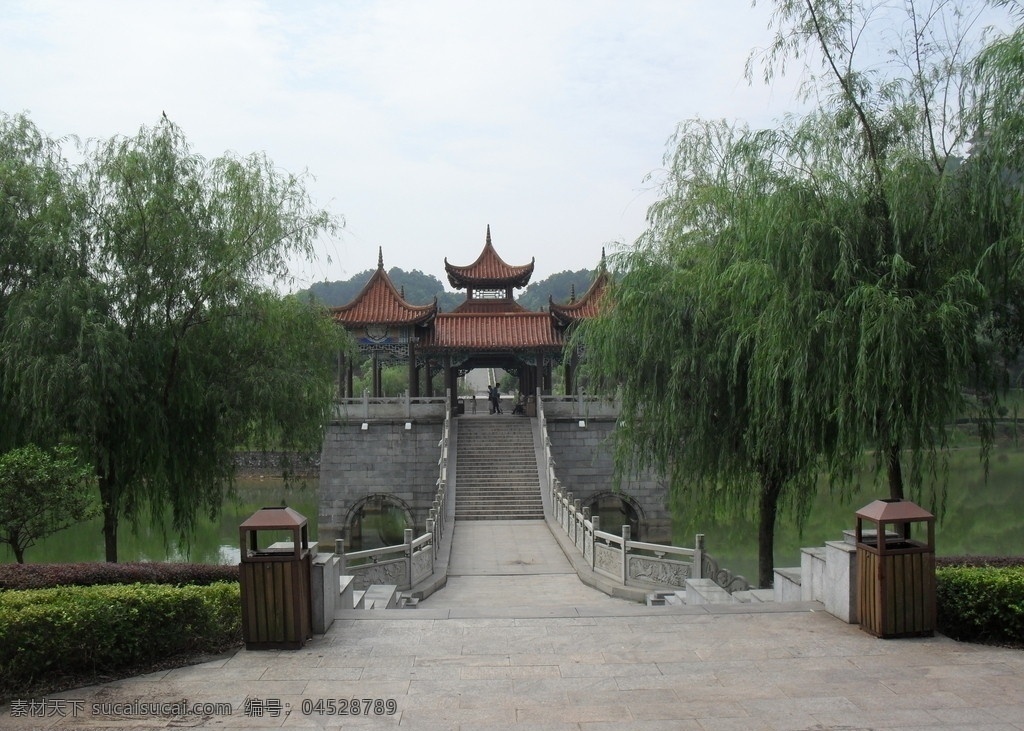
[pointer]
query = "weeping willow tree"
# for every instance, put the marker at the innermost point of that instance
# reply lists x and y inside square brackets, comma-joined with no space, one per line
[895,90]
[805,292]
[714,337]
[164,346]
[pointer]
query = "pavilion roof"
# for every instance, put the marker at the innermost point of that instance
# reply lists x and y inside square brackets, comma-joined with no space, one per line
[589,305]
[488,271]
[380,303]
[492,332]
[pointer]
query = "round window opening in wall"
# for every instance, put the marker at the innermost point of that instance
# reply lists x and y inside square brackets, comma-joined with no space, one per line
[616,511]
[377,521]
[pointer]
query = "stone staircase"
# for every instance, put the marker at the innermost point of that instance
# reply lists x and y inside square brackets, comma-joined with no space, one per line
[496,474]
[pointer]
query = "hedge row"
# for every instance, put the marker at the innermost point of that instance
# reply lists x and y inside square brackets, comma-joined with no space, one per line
[42,576]
[99,630]
[981,604]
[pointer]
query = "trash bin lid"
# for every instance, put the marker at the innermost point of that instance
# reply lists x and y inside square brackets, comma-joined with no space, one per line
[890,511]
[272,518]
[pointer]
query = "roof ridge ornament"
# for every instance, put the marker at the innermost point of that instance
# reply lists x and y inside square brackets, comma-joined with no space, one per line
[380,257]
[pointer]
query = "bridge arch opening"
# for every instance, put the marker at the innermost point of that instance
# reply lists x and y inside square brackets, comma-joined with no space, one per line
[376,521]
[616,510]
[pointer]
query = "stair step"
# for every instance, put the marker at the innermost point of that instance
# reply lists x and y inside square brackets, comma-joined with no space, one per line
[496,472]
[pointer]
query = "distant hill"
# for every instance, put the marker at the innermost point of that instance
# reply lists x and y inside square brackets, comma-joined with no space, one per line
[420,289]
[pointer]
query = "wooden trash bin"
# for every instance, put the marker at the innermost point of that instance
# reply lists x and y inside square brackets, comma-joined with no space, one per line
[895,570]
[275,581]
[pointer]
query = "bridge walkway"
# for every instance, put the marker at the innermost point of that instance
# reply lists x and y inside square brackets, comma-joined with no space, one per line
[504,563]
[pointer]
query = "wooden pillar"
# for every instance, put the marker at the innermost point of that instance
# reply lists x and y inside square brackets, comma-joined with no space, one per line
[349,372]
[375,389]
[428,383]
[414,383]
[449,381]
[539,371]
[341,374]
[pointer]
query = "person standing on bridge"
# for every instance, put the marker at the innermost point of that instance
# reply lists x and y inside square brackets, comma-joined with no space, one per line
[495,397]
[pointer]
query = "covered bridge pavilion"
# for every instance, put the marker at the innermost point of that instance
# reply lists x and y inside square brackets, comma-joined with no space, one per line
[487,330]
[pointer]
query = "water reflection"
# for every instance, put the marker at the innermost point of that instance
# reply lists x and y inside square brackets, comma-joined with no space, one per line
[981,517]
[215,541]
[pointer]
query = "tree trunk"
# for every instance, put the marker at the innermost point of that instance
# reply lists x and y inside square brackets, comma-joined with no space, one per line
[895,472]
[771,489]
[108,497]
[17,548]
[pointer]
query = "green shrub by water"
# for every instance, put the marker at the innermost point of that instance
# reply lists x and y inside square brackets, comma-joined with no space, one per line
[47,634]
[981,604]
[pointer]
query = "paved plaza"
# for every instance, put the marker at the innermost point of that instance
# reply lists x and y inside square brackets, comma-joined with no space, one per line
[516,641]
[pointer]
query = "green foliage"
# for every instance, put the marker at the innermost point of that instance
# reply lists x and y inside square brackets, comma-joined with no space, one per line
[71,631]
[981,604]
[559,287]
[805,292]
[158,343]
[89,573]
[41,493]
[421,289]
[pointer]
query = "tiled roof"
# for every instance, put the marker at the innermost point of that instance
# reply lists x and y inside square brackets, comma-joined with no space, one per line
[491,306]
[589,305]
[489,270]
[380,303]
[508,331]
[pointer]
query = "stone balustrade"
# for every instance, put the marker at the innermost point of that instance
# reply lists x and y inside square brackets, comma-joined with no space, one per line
[617,556]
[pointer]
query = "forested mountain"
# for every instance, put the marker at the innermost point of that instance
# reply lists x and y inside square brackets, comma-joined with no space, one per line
[420,289]
[558,286]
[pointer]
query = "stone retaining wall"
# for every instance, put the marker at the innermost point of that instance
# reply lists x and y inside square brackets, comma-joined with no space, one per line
[584,464]
[385,458]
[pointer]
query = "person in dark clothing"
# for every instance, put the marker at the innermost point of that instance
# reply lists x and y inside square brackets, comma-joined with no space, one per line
[495,397]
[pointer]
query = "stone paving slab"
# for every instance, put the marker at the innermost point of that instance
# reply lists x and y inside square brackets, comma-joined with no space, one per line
[589,663]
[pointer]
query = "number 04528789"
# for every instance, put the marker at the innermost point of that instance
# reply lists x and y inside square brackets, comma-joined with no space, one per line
[349,707]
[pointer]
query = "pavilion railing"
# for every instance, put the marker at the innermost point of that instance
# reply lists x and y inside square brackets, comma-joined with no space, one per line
[390,407]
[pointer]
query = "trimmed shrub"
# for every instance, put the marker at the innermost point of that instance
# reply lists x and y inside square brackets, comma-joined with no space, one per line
[45,575]
[84,631]
[981,604]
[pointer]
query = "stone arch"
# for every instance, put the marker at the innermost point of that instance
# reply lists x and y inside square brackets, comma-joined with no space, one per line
[607,502]
[377,520]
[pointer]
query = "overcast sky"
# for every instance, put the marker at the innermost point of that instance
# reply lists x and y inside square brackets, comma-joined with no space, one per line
[421,121]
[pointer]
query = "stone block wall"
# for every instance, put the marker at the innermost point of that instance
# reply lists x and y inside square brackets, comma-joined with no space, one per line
[385,458]
[584,464]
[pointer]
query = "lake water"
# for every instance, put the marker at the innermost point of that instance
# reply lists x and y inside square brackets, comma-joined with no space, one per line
[983,517]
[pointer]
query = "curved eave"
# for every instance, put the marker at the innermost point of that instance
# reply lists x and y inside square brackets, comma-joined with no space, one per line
[587,306]
[379,303]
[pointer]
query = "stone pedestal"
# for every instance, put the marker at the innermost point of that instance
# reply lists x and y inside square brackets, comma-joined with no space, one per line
[840,582]
[324,577]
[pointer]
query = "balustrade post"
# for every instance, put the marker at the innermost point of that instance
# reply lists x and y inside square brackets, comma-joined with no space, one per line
[576,513]
[596,521]
[625,553]
[698,556]
[587,532]
[339,548]
[433,543]
[408,555]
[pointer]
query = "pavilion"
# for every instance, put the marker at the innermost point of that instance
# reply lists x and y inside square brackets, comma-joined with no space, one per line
[487,330]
